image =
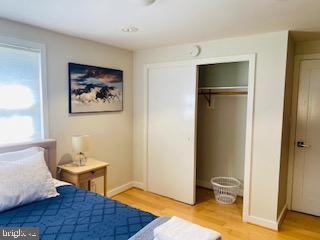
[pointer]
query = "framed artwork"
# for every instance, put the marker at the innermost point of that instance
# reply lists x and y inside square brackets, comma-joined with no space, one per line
[94,89]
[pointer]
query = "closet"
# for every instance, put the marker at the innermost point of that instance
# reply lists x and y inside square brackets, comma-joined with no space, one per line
[221,121]
[197,124]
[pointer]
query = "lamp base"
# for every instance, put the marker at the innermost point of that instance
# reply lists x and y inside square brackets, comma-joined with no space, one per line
[80,159]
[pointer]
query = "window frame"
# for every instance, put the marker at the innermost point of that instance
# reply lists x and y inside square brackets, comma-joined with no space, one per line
[40,48]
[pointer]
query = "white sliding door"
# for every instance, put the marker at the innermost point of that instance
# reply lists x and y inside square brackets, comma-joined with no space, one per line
[171,131]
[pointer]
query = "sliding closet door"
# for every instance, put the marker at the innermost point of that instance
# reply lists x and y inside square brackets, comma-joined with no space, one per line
[171,132]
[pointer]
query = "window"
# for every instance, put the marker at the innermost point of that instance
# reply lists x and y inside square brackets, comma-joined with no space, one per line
[21,94]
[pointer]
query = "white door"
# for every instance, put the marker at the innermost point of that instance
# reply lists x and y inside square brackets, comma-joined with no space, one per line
[171,132]
[306,182]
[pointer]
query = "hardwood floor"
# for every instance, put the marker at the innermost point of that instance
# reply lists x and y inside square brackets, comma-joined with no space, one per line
[225,219]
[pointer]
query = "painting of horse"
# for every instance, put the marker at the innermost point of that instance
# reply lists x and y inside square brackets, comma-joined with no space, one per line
[94,89]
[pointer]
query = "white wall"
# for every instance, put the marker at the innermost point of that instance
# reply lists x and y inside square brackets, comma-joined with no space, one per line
[111,132]
[271,52]
[224,74]
[285,145]
[221,138]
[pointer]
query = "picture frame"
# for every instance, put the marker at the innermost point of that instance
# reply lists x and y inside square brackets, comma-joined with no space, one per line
[94,89]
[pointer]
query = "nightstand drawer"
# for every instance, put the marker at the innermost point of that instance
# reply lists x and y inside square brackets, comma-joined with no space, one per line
[69,177]
[92,174]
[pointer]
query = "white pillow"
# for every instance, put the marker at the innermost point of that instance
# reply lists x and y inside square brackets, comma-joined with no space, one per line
[59,183]
[17,155]
[25,181]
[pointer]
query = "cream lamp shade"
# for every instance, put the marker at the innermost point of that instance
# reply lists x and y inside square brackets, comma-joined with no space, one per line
[81,143]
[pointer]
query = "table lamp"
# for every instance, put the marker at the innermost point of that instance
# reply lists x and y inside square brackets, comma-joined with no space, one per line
[80,145]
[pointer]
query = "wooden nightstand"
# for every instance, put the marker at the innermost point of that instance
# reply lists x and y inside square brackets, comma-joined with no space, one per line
[81,176]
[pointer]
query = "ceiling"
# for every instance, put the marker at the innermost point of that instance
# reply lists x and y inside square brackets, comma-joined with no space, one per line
[165,22]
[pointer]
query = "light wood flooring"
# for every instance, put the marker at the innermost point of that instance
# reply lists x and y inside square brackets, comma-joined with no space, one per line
[225,219]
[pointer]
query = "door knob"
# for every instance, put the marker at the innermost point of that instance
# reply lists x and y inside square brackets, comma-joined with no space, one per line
[301,144]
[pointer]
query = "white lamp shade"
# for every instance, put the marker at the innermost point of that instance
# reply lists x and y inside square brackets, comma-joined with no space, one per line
[81,143]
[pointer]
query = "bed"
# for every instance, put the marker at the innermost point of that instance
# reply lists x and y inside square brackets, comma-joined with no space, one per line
[76,213]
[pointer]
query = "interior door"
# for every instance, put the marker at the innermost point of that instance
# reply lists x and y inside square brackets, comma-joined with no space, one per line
[306,189]
[171,131]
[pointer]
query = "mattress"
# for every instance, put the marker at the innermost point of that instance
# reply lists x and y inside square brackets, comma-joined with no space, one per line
[78,214]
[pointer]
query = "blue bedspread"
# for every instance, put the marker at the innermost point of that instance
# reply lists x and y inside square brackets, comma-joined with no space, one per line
[78,214]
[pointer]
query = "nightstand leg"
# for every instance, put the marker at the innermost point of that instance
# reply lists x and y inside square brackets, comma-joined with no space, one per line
[105,182]
[77,183]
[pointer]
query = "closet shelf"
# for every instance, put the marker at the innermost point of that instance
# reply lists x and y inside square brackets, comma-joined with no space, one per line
[225,89]
[234,90]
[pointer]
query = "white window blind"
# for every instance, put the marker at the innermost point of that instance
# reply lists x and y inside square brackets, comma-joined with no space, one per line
[21,116]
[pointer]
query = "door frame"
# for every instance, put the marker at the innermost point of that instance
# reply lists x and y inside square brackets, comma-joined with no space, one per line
[294,108]
[251,58]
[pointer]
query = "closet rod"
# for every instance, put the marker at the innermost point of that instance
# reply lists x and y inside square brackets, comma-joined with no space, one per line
[229,88]
[207,94]
[222,93]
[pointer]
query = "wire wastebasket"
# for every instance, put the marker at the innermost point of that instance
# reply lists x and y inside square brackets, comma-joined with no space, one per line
[225,189]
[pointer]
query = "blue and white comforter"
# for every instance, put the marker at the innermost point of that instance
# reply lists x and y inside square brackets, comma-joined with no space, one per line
[78,214]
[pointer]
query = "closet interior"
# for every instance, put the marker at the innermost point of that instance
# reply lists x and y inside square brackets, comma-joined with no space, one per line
[221,122]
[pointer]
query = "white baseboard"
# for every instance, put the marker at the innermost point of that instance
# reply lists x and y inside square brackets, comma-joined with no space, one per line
[282,215]
[251,219]
[124,188]
[207,184]
[120,189]
[263,222]
[139,185]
